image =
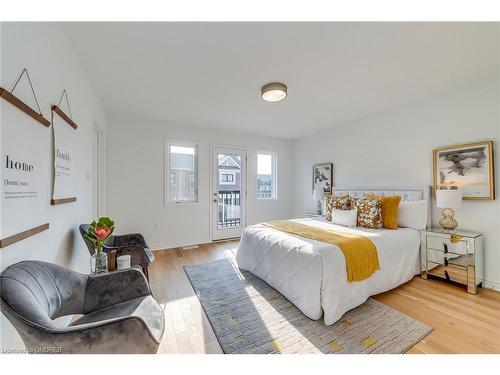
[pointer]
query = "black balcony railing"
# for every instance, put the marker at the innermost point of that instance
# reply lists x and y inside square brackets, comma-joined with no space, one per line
[229,209]
[229,223]
[229,198]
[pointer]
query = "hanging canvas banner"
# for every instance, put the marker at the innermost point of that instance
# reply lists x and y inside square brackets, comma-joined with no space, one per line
[64,190]
[25,164]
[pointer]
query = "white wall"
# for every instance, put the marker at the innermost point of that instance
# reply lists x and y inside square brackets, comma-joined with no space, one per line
[135,181]
[44,50]
[395,148]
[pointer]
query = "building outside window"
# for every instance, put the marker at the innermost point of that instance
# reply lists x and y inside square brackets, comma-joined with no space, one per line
[266,176]
[226,178]
[229,167]
[182,161]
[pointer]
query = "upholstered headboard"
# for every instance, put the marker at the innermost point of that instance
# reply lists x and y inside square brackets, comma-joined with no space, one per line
[410,193]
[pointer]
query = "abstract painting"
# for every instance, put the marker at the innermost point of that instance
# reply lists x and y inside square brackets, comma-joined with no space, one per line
[323,176]
[468,167]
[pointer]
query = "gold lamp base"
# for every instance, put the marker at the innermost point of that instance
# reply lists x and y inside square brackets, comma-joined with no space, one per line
[448,221]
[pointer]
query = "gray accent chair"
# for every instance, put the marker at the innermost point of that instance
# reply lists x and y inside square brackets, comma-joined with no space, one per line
[132,244]
[119,314]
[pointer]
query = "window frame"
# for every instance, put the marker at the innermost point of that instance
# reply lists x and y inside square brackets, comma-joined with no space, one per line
[274,175]
[166,180]
[221,180]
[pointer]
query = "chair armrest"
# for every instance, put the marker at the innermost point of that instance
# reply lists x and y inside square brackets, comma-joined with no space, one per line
[111,288]
[129,247]
[140,255]
[129,239]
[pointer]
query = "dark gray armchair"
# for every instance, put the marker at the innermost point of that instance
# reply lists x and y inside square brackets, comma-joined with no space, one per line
[127,244]
[119,313]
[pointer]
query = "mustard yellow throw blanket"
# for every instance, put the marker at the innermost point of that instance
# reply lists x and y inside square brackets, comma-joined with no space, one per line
[359,251]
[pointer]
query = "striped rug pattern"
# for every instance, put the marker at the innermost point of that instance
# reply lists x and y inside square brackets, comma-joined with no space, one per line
[249,316]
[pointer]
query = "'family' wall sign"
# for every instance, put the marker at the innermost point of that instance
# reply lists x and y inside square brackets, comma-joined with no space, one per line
[64,190]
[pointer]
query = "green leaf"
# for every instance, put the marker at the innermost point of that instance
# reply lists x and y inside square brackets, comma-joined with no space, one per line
[91,238]
[106,221]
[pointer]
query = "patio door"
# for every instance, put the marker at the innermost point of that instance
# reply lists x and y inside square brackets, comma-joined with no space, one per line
[228,193]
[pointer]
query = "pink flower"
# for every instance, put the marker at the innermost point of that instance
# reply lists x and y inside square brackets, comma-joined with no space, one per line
[102,232]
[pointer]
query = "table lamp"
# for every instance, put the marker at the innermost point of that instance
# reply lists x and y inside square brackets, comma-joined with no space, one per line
[447,200]
[318,196]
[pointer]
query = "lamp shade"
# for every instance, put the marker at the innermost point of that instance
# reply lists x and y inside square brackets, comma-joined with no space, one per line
[448,198]
[318,194]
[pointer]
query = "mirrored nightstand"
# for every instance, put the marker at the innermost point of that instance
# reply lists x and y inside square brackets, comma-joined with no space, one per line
[453,255]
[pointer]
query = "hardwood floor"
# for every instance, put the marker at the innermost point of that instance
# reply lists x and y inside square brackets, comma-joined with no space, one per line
[463,323]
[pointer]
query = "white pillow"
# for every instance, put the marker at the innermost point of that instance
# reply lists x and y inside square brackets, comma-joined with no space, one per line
[413,214]
[346,218]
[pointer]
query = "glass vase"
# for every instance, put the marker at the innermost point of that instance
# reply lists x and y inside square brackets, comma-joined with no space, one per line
[99,263]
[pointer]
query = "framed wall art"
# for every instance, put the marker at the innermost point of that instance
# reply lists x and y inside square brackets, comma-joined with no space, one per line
[24,168]
[63,126]
[323,176]
[469,167]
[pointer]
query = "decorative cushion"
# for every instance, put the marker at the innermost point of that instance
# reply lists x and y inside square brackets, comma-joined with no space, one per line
[369,213]
[340,202]
[348,218]
[390,209]
[413,214]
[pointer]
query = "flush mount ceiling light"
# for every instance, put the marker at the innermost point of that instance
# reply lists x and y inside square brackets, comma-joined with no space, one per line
[274,92]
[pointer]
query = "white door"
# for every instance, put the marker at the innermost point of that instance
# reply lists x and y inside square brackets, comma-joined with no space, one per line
[228,193]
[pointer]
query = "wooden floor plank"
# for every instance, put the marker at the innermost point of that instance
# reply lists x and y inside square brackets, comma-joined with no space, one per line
[463,323]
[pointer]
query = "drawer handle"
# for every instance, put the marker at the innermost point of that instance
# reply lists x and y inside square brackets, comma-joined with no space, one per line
[446,262]
[445,247]
[446,275]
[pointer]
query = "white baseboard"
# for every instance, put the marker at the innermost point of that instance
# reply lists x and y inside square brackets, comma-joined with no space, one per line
[171,245]
[491,284]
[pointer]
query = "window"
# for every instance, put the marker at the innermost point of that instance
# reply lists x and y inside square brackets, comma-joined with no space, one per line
[226,178]
[266,176]
[182,172]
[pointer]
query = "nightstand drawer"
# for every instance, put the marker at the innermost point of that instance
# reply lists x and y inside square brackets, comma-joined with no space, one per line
[450,272]
[439,257]
[446,245]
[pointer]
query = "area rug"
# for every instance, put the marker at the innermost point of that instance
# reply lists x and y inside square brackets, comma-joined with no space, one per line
[249,316]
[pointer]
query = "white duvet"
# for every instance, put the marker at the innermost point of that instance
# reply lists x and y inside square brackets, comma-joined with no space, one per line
[312,274]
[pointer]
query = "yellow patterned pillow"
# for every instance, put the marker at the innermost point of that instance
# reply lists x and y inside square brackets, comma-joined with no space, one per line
[340,202]
[390,209]
[369,213]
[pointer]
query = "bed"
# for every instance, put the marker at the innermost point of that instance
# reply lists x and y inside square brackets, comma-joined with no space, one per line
[312,274]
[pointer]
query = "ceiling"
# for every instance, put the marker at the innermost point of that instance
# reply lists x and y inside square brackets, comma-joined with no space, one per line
[210,74]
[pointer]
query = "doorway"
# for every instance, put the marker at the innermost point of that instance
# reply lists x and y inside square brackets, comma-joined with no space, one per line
[228,193]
